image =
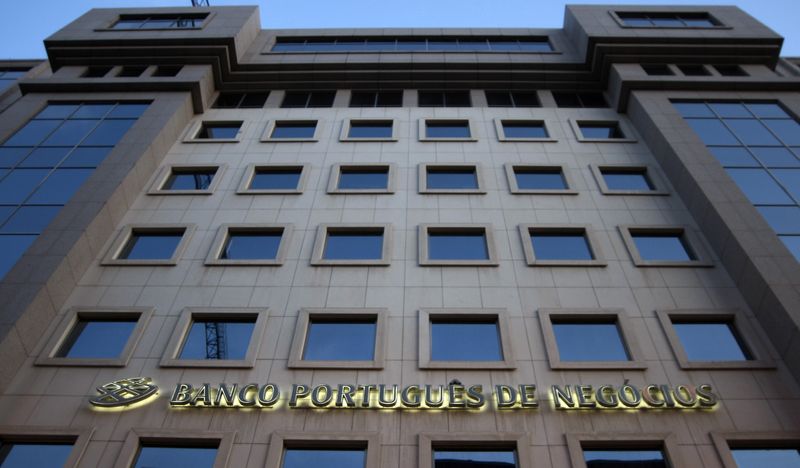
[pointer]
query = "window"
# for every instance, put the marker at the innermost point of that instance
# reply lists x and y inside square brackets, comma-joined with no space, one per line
[527,44]
[664,246]
[536,179]
[376,98]
[291,131]
[522,130]
[274,179]
[352,244]
[713,339]
[624,450]
[599,131]
[96,72]
[730,70]
[149,245]
[757,144]
[444,99]
[628,180]
[588,99]
[490,450]
[26,446]
[213,337]
[361,178]
[565,245]
[456,245]
[140,22]
[250,245]
[186,180]
[652,19]
[310,457]
[46,161]
[241,100]
[310,450]
[305,99]
[464,339]
[450,178]
[368,130]
[757,449]
[624,458]
[214,132]
[512,99]
[694,70]
[165,71]
[9,77]
[445,130]
[657,69]
[132,71]
[339,338]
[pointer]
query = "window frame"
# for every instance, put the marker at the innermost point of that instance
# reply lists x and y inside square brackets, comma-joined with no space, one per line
[587,230]
[422,179]
[320,241]
[501,132]
[188,315]
[621,22]
[429,442]
[122,238]
[51,434]
[626,333]
[689,236]
[336,172]
[47,356]
[667,443]
[377,98]
[178,438]
[455,228]
[723,440]
[348,123]
[423,125]
[163,174]
[191,135]
[426,316]
[281,440]
[307,315]
[266,136]
[627,130]
[223,234]
[650,173]
[513,186]
[206,17]
[744,330]
[250,173]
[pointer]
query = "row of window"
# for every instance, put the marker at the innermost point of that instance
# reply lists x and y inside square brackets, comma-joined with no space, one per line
[379,178]
[132,71]
[528,44]
[439,245]
[10,76]
[377,130]
[448,339]
[162,448]
[394,98]
[693,70]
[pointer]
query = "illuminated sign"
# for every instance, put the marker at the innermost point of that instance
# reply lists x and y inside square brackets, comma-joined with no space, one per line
[123,393]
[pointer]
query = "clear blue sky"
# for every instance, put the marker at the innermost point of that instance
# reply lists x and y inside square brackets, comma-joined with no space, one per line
[25,23]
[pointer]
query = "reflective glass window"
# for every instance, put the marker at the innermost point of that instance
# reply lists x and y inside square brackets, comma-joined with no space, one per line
[759,186]
[525,130]
[561,246]
[151,245]
[30,454]
[363,178]
[589,341]
[11,249]
[45,157]
[189,179]
[329,458]
[59,186]
[783,219]
[790,179]
[32,133]
[710,341]
[775,157]
[217,339]
[600,131]
[763,457]
[602,458]
[751,132]
[465,341]
[71,133]
[354,245]
[713,132]
[474,458]
[251,245]
[370,129]
[540,179]
[212,131]
[626,180]
[19,184]
[97,339]
[457,246]
[30,219]
[276,178]
[294,130]
[447,130]
[165,457]
[340,340]
[662,247]
[451,178]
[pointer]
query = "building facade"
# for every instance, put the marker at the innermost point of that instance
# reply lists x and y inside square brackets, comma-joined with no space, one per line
[228,246]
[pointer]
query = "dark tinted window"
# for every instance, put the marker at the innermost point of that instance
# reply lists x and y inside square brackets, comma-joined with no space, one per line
[294,130]
[447,130]
[144,245]
[662,247]
[710,341]
[276,178]
[530,129]
[160,22]
[443,245]
[96,72]
[600,131]
[412,44]
[657,70]
[189,179]
[329,458]
[588,341]
[97,338]
[11,249]
[730,70]
[363,178]
[668,19]
[474,459]
[167,70]
[376,99]
[251,245]
[241,100]
[564,99]
[367,245]
[59,186]
[540,179]
[131,72]
[340,340]
[694,70]
[626,179]
[217,339]
[27,219]
[465,341]
[214,131]
[451,178]
[512,99]
[763,457]
[561,246]
[444,99]
[27,455]
[377,129]
[624,458]
[299,99]
[163,457]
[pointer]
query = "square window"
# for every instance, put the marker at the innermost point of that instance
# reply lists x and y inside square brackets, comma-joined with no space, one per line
[444,98]
[273,179]
[522,130]
[250,245]
[96,72]
[664,246]
[324,449]
[158,455]
[464,338]
[361,178]
[565,245]
[628,180]
[600,131]
[180,180]
[730,70]
[630,450]
[131,71]
[694,70]
[148,245]
[209,337]
[450,178]
[456,245]
[589,342]
[291,130]
[526,179]
[445,130]
[166,71]
[710,341]
[97,338]
[339,338]
[512,99]
[368,130]
[376,98]
[218,131]
[348,244]
[657,69]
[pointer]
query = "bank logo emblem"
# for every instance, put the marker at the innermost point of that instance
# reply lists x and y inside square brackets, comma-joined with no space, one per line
[124,392]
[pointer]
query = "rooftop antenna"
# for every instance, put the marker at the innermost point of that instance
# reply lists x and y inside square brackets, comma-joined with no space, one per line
[200,3]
